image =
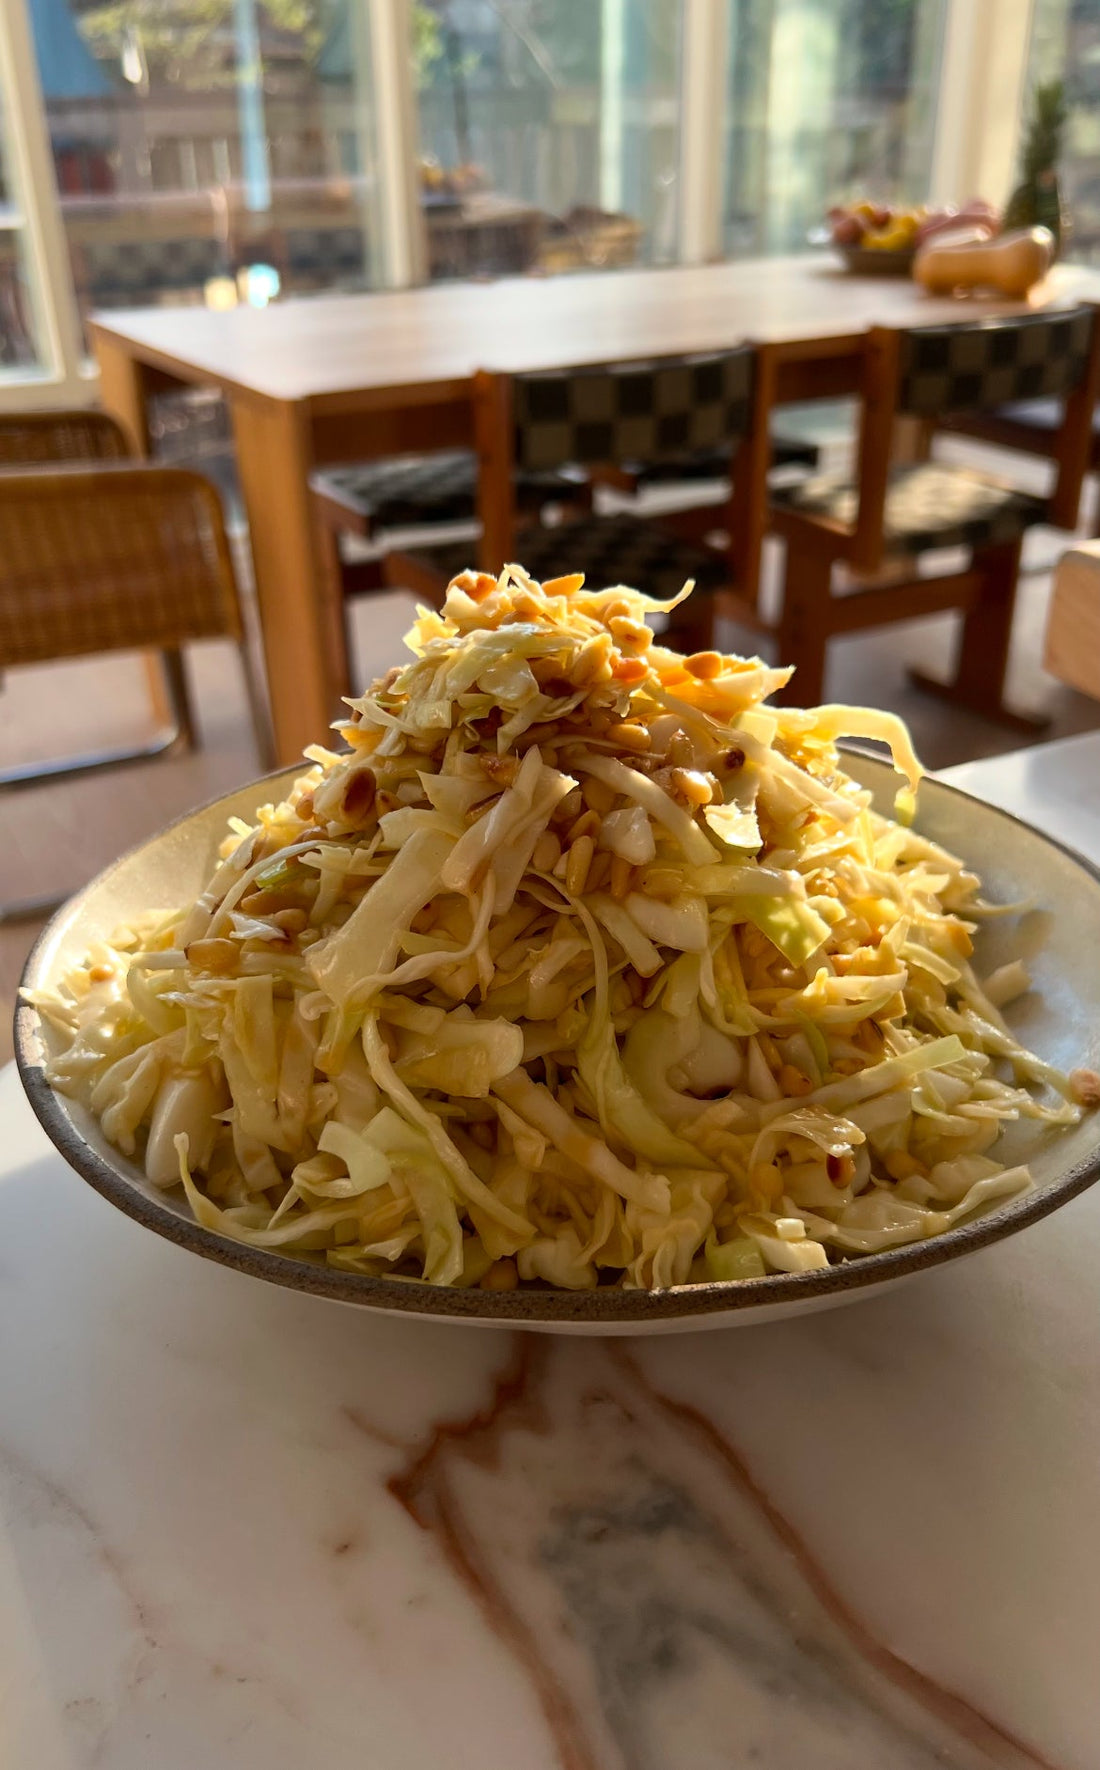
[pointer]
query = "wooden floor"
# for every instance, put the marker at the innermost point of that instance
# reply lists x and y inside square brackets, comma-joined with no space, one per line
[53,839]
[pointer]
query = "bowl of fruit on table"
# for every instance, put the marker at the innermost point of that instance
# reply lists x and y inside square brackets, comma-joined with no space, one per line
[874,239]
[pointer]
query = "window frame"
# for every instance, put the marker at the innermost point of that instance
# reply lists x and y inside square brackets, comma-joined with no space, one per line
[63,377]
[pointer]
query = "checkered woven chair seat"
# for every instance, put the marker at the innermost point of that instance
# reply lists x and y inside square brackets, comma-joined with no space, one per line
[929,505]
[645,412]
[715,463]
[979,366]
[607,549]
[406,491]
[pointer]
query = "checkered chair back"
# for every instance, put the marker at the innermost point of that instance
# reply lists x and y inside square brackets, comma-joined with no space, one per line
[27,438]
[645,412]
[983,364]
[121,272]
[111,559]
[328,254]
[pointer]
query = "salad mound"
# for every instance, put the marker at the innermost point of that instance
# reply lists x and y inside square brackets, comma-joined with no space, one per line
[580,965]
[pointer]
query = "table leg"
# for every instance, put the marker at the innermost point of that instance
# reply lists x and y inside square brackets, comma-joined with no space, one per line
[124,392]
[303,633]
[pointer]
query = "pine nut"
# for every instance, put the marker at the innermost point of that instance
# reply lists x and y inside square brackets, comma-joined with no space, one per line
[598,796]
[691,785]
[588,824]
[622,877]
[547,851]
[765,1178]
[569,808]
[216,956]
[593,662]
[631,736]
[900,1165]
[501,1276]
[358,796]
[633,638]
[663,882]
[792,1081]
[500,769]
[1084,1086]
[706,665]
[580,859]
[599,873]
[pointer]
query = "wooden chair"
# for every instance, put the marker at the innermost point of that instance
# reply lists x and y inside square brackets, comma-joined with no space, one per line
[885,521]
[116,558]
[1027,427]
[371,500]
[594,418]
[33,439]
[687,471]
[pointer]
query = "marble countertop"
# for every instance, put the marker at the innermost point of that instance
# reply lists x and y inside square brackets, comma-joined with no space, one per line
[245,1529]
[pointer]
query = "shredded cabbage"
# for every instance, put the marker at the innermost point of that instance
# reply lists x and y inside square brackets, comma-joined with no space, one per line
[579,965]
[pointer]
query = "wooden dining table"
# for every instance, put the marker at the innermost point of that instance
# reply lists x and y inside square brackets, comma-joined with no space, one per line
[346,377]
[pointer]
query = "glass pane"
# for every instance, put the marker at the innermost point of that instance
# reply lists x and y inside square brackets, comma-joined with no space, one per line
[826,101]
[1065,45]
[218,153]
[549,132]
[18,348]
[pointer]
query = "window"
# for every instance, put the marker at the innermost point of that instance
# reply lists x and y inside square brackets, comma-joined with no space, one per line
[826,98]
[213,153]
[1065,45]
[220,151]
[549,132]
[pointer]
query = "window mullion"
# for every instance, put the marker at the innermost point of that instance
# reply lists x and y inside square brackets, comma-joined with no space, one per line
[983,70]
[702,128]
[404,239]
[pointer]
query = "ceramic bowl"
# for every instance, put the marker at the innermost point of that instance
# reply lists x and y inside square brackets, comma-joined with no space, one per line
[1060,1019]
[867,261]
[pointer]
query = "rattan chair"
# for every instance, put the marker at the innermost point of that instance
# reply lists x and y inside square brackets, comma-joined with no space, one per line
[32,439]
[39,439]
[595,418]
[886,520]
[116,558]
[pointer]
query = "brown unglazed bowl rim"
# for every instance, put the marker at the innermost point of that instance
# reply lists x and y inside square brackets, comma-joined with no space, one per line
[604,1306]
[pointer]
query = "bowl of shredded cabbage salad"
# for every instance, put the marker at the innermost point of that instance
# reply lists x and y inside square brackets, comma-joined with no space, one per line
[579,985]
